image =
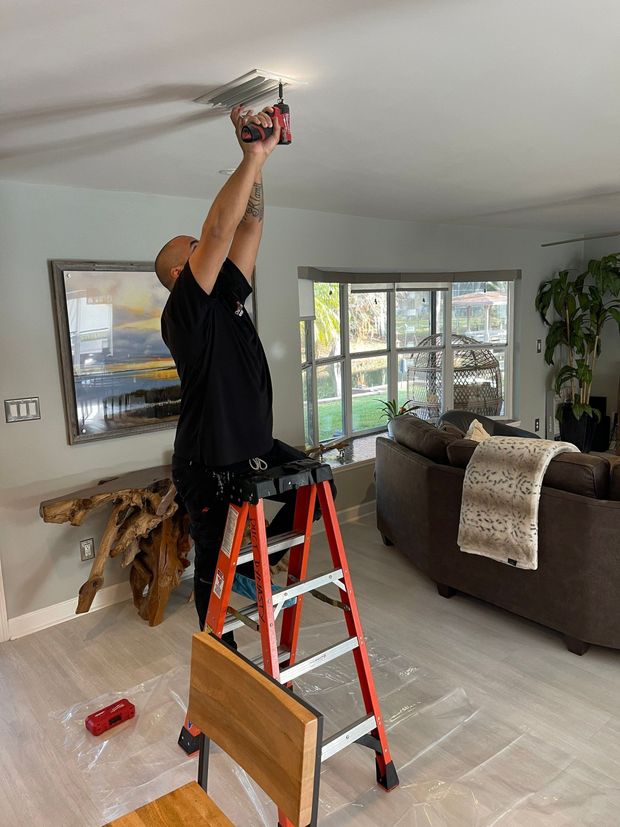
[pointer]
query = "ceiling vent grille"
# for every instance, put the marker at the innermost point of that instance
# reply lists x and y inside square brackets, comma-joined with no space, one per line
[254,86]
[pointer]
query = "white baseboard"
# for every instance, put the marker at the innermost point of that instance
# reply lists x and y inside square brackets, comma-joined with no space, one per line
[31,622]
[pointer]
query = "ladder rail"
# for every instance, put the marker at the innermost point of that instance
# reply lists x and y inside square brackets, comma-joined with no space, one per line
[385,767]
[236,520]
[264,597]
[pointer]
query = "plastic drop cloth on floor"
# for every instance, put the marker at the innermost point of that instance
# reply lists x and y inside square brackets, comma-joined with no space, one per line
[458,765]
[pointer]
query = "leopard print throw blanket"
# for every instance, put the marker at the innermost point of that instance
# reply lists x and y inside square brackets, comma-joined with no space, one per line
[501,491]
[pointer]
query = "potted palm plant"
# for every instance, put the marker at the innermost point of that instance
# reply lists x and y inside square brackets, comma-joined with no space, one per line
[576,310]
[392,410]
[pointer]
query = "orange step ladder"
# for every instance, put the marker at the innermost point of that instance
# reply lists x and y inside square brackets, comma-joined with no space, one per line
[311,479]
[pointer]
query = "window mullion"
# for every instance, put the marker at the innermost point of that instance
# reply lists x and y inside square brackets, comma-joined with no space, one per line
[448,360]
[506,381]
[347,383]
[368,354]
[509,354]
[392,355]
[315,393]
[328,360]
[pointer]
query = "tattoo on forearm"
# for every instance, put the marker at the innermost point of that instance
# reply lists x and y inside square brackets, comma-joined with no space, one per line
[256,207]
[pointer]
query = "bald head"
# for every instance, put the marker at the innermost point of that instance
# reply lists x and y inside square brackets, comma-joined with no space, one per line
[172,258]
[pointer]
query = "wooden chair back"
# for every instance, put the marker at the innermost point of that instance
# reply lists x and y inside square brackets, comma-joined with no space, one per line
[272,734]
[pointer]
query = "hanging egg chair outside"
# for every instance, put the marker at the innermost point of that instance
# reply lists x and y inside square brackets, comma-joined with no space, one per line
[477,378]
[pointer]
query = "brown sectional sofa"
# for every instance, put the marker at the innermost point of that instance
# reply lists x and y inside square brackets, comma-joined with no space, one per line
[576,588]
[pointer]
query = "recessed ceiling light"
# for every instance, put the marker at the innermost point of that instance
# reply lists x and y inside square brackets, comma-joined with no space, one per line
[254,86]
[226,171]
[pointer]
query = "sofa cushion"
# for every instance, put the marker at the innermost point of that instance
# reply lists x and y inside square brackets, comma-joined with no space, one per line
[576,473]
[422,437]
[449,428]
[460,451]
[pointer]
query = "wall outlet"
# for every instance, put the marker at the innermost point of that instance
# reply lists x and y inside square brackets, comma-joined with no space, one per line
[87,549]
[537,424]
[538,345]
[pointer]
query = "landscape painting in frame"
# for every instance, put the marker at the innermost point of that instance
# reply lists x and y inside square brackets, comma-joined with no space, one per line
[118,375]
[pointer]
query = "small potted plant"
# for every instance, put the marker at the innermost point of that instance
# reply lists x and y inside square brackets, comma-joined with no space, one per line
[391,411]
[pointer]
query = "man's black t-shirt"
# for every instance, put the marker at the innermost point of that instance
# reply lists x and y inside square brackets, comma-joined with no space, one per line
[226,397]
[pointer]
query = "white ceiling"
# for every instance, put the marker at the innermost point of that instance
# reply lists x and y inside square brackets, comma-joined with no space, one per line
[499,112]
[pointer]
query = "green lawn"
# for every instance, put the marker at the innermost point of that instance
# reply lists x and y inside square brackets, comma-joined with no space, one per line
[366,414]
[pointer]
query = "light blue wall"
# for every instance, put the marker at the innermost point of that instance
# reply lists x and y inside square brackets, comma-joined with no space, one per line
[40,562]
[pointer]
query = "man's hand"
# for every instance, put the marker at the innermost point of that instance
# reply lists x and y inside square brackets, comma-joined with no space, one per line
[259,149]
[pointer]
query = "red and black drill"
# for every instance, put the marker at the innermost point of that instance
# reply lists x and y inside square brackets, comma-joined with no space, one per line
[282,114]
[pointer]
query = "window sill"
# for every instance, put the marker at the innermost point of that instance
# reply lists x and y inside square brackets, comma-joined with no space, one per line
[361,451]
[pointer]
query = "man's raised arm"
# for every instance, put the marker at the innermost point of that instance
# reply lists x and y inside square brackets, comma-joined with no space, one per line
[231,206]
[244,247]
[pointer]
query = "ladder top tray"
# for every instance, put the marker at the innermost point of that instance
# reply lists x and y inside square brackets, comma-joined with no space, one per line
[257,485]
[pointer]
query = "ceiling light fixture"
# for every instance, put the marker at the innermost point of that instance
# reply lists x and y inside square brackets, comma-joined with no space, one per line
[257,85]
[228,171]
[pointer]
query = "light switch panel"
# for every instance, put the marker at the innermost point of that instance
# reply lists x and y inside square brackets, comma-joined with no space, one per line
[22,410]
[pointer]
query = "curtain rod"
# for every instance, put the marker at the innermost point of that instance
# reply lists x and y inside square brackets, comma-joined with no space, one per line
[583,238]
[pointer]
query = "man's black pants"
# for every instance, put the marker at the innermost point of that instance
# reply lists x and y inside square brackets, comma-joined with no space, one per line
[197,489]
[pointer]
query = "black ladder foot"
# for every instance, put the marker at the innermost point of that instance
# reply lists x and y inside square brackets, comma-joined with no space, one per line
[189,739]
[388,779]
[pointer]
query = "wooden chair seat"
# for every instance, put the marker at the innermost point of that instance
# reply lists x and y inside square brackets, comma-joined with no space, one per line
[189,805]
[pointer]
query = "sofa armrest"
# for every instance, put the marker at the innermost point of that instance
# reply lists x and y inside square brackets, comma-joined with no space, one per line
[403,500]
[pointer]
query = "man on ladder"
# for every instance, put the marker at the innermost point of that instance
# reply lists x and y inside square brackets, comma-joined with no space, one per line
[225,425]
[225,433]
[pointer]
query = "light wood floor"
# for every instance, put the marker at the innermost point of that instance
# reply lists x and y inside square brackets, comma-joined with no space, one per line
[528,733]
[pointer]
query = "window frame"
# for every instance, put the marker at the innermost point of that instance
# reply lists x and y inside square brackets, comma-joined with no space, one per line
[393,353]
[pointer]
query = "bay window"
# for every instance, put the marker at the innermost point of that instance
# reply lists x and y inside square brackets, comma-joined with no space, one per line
[363,343]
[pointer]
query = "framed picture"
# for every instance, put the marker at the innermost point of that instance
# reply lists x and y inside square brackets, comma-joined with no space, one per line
[118,376]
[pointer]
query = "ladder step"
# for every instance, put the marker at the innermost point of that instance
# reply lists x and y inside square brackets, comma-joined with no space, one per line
[348,736]
[250,611]
[279,598]
[333,576]
[308,664]
[277,543]
[283,654]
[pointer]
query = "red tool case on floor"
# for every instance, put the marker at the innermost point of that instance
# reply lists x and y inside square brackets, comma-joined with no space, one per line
[110,716]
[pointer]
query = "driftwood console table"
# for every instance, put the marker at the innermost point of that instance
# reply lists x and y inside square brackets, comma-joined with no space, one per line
[145,528]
